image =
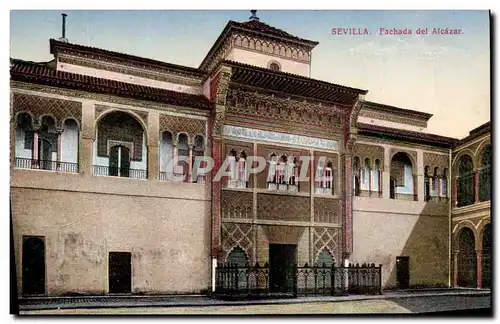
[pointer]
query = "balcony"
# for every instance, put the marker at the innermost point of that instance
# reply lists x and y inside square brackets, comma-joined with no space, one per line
[101,170]
[55,166]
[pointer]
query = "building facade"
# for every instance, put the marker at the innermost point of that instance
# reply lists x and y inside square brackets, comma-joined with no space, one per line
[108,196]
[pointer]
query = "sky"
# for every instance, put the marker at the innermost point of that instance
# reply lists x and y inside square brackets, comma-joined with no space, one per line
[445,75]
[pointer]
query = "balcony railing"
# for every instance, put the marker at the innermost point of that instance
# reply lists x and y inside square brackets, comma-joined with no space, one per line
[101,170]
[24,163]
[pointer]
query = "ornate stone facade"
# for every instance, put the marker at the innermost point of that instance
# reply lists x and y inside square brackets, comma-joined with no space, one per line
[177,125]
[233,235]
[326,239]
[327,210]
[439,161]
[38,106]
[372,152]
[283,208]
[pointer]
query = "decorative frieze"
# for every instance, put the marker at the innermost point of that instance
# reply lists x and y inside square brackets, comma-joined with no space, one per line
[327,210]
[439,161]
[177,124]
[287,109]
[283,208]
[38,106]
[236,204]
[372,152]
[292,139]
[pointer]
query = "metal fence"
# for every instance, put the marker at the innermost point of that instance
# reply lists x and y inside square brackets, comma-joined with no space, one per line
[24,163]
[101,170]
[236,282]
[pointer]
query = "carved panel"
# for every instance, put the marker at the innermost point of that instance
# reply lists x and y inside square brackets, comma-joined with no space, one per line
[38,106]
[235,234]
[279,234]
[436,160]
[283,50]
[327,211]
[177,124]
[372,152]
[282,207]
[328,239]
[237,204]
[101,109]
[285,109]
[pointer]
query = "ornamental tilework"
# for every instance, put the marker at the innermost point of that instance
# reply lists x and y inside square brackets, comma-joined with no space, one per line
[235,204]
[258,134]
[235,234]
[176,125]
[39,106]
[328,239]
[283,208]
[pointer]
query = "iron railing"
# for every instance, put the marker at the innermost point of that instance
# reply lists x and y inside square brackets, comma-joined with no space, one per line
[249,282]
[101,170]
[24,163]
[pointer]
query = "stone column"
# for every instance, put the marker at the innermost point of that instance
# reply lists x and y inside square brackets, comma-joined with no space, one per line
[476,186]
[479,268]
[348,205]
[35,163]
[418,178]
[216,197]
[59,150]
[153,131]
[455,268]
[88,133]
[454,192]
[386,174]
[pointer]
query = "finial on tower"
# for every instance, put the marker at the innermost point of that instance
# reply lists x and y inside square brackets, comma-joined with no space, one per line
[254,15]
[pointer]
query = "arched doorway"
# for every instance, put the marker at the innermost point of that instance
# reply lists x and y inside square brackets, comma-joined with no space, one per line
[466,258]
[486,257]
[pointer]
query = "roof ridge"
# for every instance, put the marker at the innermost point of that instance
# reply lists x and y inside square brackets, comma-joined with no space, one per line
[47,74]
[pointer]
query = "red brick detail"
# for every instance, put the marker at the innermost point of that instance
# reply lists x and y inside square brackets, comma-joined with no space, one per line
[216,199]
[347,248]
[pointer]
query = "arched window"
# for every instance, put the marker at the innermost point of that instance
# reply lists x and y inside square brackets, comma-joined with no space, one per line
[69,146]
[427,186]
[376,176]
[232,180]
[237,257]
[465,190]
[241,171]
[166,156]
[324,177]
[120,129]
[182,168]
[444,191]
[356,179]
[47,144]
[402,174]
[198,151]
[485,175]
[271,173]
[292,174]
[366,175]
[280,173]
[435,182]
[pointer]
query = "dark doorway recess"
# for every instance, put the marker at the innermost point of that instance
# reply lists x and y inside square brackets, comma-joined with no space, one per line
[282,260]
[403,272]
[33,265]
[120,273]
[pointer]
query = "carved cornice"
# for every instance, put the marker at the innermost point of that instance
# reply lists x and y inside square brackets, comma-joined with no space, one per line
[273,48]
[392,118]
[161,75]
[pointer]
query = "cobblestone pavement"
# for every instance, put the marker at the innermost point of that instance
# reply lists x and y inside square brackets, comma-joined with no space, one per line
[376,306]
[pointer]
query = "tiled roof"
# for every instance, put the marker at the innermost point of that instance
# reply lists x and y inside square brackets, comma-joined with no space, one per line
[258,26]
[292,84]
[56,46]
[41,73]
[406,135]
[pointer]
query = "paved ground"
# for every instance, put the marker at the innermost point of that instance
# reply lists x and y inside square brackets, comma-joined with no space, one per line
[391,306]
[395,302]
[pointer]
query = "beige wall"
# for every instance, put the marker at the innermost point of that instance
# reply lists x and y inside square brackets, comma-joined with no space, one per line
[166,227]
[127,78]
[385,228]
[262,60]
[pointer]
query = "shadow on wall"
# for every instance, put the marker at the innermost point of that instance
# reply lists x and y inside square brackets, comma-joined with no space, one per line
[424,259]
